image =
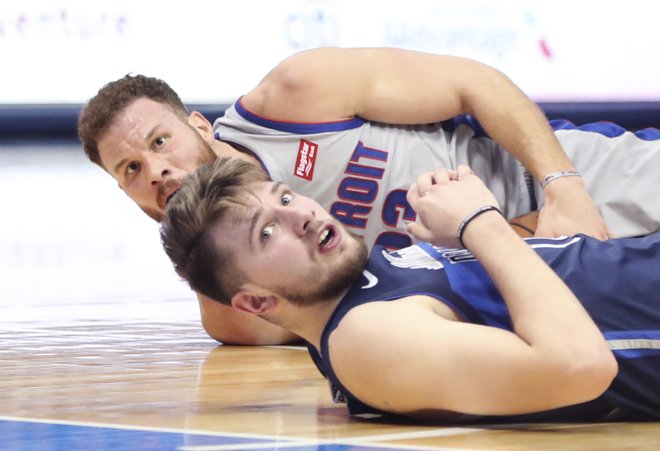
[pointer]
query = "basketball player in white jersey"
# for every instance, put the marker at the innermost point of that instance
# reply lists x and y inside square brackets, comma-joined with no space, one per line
[319,122]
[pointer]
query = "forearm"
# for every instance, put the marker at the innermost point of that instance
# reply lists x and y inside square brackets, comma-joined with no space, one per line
[544,311]
[556,353]
[514,121]
[522,129]
[405,87]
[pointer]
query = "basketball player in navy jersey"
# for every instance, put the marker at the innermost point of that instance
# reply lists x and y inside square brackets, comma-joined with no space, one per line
[336,125]
[480,324]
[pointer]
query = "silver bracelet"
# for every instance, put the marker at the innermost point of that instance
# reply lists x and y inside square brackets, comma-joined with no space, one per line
[557,175]
[470,217]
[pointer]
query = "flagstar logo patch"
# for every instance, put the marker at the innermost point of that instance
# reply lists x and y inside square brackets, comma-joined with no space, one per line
[305,161]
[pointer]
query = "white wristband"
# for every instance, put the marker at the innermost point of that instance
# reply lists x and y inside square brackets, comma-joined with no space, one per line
[557,175]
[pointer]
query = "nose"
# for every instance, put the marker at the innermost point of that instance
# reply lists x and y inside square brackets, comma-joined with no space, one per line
[300,220]
[157,170]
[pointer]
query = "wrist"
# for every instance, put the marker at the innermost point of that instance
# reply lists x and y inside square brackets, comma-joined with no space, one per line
[564,188]
[554,176]
[472,217]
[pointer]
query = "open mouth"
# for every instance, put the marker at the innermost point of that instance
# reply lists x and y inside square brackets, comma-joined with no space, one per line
[327,239]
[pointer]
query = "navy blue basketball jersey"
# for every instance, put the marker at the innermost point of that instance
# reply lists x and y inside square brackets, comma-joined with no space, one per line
[617,281]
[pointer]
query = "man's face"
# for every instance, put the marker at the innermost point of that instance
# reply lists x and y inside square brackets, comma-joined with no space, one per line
[150,150]
[288,244]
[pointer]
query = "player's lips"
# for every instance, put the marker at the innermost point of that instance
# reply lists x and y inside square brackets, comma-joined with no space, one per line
[328,238]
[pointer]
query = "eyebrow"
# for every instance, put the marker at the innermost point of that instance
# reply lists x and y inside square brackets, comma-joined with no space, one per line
[123,161]
[257,214]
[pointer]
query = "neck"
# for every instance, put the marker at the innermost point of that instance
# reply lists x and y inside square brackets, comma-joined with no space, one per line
[309,321]
[224,149]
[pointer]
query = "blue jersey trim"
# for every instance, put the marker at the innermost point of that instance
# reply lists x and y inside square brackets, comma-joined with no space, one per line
[257,157]
[634,343]
[609,129]
[648,134]
[605,128]
[296,127]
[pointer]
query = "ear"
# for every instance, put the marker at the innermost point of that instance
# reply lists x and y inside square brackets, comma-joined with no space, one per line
[251,302]
[197,121]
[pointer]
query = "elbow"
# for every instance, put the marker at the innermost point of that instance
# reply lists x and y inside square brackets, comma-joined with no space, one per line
[232,327]
[218,334]
[230,334]
[226,329]
[252,331]
[604,369]
[592,374]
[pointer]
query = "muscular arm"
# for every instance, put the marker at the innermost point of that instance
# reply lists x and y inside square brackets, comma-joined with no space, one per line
[556,356]
[230,326]
[404,87]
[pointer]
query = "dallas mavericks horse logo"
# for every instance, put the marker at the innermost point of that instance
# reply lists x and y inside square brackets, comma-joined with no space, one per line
[413,257]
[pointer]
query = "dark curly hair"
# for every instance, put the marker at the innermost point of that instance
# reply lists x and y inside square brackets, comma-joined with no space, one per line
[112,99]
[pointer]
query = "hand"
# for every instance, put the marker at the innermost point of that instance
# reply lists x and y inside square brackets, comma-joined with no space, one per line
[442,199]
[568,210]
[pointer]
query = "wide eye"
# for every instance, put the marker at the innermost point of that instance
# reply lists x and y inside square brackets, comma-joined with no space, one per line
[132,167]
[287,198]
[159,141]
[266,233]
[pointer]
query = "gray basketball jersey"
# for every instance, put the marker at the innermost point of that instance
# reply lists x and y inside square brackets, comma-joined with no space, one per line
[620,170]
[360,171]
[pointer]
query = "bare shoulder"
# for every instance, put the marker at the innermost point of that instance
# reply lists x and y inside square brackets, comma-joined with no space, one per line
[377,345]
[308,86]
[360,324]
[378,322]
[361,337]
[301,67]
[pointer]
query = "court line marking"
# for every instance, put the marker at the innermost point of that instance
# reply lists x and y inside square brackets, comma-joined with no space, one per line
[365,440]
[438,432]
[336,442]
[251,446]
[269,440]
[149,428]
[293,347]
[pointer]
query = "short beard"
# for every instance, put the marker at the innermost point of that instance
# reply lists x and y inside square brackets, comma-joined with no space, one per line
[205,155]
[331,288]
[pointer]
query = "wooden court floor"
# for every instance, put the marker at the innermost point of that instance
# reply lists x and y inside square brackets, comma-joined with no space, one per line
[89,372]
